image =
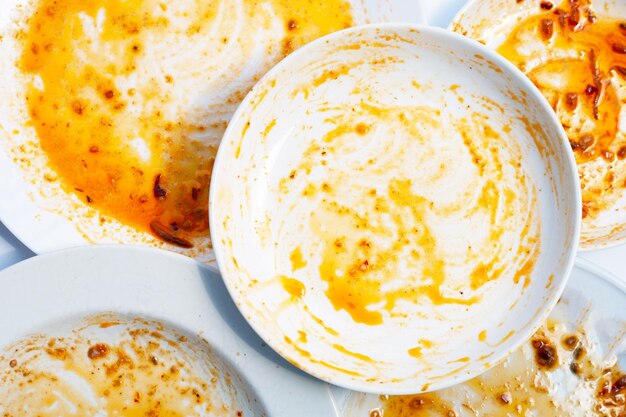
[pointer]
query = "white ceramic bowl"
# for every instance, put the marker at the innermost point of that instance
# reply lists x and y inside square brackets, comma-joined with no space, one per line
[394,208]
[491,22]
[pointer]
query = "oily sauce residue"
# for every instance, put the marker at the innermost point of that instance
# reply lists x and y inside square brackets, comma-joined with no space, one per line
[109,110]
[578,60]
[382,247]
[145,374]
[521,385]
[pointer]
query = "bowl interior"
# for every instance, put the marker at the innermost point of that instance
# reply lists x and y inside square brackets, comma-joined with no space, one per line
[394,208]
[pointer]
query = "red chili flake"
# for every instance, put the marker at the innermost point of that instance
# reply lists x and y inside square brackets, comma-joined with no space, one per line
[94,149]
[622,26]
[158,191]
[574,17]
[590,90]
[194,193]
[164,233]
[596,78]
[505,398]
[109,94]
[89,199]
[591,18]
[619,384]
[621,154]
[619,48]
[546,27]
[546,5]
[292,25]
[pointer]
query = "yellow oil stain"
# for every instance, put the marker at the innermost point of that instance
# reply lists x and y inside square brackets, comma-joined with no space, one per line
[357,355]
[306,354]
[297,260]
[294,287]
[482,336]
[321,323]
[416,352]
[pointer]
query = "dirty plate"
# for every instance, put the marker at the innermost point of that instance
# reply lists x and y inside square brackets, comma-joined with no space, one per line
[587,334]
[112,111]
[574,52]
[126,328]
[394,208]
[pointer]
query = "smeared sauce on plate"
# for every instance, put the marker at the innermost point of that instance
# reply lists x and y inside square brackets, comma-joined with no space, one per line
[523,384]
[146,372]
[378,245]
[577,58]
[129,99]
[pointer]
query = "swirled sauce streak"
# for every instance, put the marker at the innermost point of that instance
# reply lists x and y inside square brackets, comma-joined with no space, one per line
[129,98]
[405,241]
[523,385]
[578,61]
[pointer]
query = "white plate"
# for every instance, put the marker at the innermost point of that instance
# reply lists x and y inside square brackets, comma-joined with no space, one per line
[52,292]
[45,216]
[491,21]
[592,297]
[390,101]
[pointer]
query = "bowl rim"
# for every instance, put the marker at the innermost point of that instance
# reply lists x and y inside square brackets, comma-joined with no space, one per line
[519,337]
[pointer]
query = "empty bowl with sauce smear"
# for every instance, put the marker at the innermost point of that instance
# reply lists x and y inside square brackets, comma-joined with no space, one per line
[395,208]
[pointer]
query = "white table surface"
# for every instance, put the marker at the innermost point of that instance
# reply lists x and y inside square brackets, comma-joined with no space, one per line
[437,13]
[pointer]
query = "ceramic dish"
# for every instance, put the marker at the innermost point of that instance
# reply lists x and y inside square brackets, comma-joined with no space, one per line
[112,112]
[394,208]
[591,309]
[557,57]
[160,314]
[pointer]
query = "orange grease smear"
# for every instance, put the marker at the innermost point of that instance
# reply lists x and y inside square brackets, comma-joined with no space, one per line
[294,287]
[355,275]
[86,122]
